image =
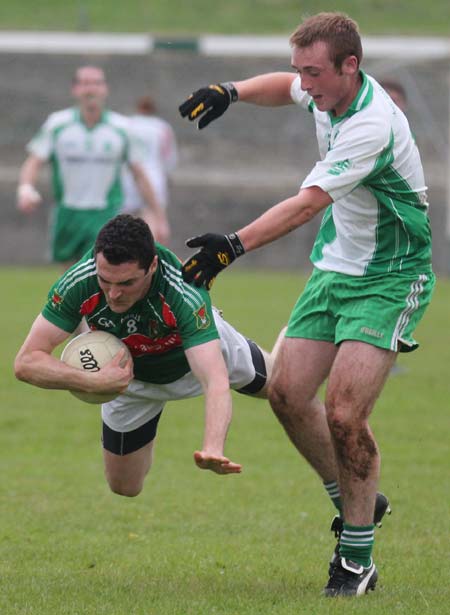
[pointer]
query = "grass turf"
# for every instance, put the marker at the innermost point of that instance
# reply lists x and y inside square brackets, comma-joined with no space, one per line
[231,17]
[195,542]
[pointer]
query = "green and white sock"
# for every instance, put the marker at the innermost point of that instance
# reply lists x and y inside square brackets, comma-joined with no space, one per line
[356,543]
[332,489]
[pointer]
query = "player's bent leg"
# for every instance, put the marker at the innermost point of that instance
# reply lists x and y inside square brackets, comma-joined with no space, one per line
[356,380]
[269,360]
[300,368]
[263,363]
[262,393]
[276,347]
[126,473]
[128,456]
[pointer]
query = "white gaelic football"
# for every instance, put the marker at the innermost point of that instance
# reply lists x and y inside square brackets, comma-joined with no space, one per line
[90,352]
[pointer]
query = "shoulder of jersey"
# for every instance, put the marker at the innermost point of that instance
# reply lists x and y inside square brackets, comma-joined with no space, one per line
[119,120]
[63,116]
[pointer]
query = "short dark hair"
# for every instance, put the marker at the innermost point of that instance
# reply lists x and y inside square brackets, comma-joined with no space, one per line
[337,30]
[126,239]
[146,105]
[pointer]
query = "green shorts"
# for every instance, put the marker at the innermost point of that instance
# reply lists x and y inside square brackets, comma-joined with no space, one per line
[380,310]
[73,231]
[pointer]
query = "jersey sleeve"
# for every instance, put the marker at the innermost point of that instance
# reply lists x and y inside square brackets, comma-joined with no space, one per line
[41,144]
[136,147]
[197,324]
[188,306]
[67,297]
[61,310]
[361,148]
[300,97]
[168,148]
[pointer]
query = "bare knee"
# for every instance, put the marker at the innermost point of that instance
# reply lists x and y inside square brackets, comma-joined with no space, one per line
[278,399]
[126,473]
[344,414]
[123,483]
[126,488]
[287,407]
[354,444]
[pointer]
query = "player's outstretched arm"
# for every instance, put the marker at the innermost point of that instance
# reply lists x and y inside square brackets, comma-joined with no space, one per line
[210,102]
[207,364]
[219,251]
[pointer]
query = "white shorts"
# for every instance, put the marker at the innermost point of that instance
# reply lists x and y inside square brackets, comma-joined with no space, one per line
[143,400]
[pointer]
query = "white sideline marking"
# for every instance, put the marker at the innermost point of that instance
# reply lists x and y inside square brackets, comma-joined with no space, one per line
[73,42]
[404,47]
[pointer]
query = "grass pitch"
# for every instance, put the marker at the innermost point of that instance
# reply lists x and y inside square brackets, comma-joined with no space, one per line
[197,543]
[232,17]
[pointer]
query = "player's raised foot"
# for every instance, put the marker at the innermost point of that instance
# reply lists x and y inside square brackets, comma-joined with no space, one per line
[348,578]
[382,507]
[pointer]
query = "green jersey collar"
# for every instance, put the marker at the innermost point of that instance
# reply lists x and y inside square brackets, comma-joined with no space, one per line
[362,99]
[79,119]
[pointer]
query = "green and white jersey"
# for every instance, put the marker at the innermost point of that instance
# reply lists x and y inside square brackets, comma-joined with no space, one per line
[370,166]
[86,162]
[172,317]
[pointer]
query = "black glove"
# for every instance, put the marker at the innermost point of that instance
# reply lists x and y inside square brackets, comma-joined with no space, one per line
[209,103]
[217,252]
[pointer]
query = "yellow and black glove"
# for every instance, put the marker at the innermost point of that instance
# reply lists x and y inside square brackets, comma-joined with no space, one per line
[208,103]
[217,252]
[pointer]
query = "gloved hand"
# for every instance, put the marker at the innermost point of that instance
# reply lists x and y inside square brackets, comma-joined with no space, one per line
[217,252]
[208,103]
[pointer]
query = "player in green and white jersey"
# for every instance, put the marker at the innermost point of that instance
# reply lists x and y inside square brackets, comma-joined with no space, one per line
[372,277]
[86,146]
[181,347]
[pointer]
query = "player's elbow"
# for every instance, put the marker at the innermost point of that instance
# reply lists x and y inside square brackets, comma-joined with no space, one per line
[309,212]
[219,385]
[21,369]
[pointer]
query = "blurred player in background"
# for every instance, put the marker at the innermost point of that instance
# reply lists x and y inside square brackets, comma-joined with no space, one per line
[86,146]
[372,277]
[159,160]
[180,345]
[397,92]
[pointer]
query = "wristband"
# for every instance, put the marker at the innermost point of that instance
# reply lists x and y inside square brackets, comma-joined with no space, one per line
[229,86]
[236,244]
[25,191]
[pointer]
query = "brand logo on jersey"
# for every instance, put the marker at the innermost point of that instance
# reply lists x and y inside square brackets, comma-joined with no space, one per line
[57,299]
[140,345]
[105,322]
[202,317]
[340,167]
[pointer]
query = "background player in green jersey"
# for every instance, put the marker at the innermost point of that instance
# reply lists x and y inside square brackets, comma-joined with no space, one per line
[372,277]
[181,347]
[86,146]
